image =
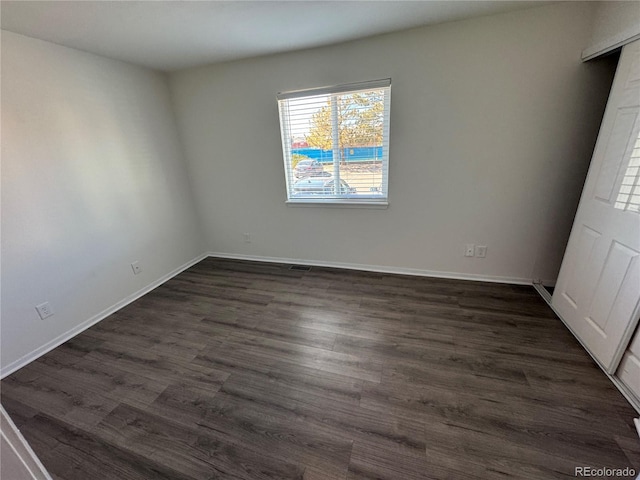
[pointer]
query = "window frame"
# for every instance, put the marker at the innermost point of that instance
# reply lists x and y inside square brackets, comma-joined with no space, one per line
[373,201]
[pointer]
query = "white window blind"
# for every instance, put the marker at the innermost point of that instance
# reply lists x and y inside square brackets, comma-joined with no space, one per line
[335,142]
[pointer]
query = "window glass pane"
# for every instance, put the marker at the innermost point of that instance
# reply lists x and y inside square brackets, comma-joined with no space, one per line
[337,136]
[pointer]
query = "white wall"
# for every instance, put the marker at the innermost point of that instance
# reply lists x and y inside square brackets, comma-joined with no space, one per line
[493,122]
[615,23]
[93,178]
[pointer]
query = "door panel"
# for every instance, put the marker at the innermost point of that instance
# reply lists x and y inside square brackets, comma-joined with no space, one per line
[634,73]
[620,268]
[598,288]
[615,154]
[629,370]
[584,250]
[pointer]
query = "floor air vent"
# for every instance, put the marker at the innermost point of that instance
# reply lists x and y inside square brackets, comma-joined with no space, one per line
[304,268]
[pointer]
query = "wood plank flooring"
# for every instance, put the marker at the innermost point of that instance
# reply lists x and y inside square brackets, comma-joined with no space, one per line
[243,370]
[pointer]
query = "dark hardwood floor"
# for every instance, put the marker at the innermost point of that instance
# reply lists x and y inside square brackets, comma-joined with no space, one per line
[240,370]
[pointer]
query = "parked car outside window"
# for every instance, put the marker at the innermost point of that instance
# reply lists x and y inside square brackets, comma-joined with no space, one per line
[306,168]
[320,185]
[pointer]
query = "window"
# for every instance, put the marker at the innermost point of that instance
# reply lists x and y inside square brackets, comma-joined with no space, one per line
[335,142]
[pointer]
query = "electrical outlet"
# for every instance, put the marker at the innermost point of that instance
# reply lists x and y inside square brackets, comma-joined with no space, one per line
[44,310]
[469,250]
[246,237]
[136,267]
[481,251]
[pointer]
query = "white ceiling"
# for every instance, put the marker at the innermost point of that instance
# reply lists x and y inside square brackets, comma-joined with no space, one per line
[171,35]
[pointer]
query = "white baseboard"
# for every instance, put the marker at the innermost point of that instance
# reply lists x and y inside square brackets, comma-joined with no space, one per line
[544,293]
[378,268]
[47,347]
[431,273]
[16,365]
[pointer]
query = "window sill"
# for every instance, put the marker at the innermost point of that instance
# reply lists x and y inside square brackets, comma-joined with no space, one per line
[338,203]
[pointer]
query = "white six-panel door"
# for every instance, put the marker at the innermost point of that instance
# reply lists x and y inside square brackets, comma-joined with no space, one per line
[598,289]
[629,369]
